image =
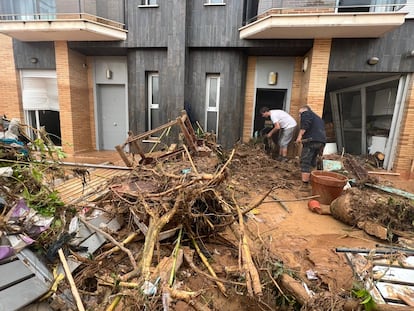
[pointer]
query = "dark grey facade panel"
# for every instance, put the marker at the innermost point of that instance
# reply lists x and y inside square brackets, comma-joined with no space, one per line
[230,65]
[111,9]
[393,51]
[34,55]
[215,25]
[151,26]
[141,62]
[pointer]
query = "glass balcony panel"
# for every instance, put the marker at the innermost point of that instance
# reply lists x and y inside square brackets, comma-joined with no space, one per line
[71,20]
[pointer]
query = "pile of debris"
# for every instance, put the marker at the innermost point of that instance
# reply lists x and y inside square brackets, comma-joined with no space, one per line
[169,232]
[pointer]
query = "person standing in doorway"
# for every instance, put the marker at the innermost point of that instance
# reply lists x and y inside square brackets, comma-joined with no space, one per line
[283,122]
[313,138]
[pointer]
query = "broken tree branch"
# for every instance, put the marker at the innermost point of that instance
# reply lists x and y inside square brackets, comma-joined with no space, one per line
[155,226]
[210,269]
[69,276]
[251,271]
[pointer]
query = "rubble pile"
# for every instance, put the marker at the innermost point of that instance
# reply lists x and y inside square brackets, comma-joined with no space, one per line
[173,232]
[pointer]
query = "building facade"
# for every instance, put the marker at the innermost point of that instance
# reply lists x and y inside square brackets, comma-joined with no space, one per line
[90,71]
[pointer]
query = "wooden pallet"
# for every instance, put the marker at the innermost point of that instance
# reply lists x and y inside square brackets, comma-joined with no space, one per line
[73,191]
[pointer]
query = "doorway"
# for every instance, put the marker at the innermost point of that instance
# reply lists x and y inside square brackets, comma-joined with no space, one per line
[112,115]
[367,117]
[270,98]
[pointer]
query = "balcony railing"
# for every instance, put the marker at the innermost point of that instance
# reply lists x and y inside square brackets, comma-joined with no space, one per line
[292,19]
[269,7]
[52,10]
[61,17]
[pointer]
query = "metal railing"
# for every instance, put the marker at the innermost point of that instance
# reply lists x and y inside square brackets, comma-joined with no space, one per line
[271,7]
[332,5]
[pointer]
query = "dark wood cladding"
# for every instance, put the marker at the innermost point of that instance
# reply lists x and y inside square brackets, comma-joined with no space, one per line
[230,65]
[44,52]
[393,51]
[140,62]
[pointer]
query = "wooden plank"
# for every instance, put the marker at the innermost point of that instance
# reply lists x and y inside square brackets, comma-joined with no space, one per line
[123,156]
[393,291]
[73,189]
[392,190]
[13,272]
[21,294]
[394,274]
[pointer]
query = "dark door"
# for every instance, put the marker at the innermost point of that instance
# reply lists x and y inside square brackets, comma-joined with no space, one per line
[271,98]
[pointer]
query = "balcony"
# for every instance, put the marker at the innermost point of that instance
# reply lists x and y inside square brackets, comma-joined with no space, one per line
[278,19]
[58,20]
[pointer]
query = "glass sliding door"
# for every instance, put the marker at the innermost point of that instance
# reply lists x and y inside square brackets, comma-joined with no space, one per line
[367,117]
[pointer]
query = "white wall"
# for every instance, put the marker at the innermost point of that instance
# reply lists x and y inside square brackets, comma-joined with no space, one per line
[284,66]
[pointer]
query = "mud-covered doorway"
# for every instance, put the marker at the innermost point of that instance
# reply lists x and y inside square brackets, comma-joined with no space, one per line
[271,98]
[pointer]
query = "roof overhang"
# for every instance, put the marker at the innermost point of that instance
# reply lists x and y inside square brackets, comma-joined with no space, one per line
[62,30]
[327,25]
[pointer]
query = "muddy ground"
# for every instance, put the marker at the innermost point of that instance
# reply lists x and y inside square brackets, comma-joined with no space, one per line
[284,238]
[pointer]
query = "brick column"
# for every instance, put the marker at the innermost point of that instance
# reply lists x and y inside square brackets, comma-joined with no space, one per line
[405,157]
[249,99]
[10,99]
[75,107]
[317,75]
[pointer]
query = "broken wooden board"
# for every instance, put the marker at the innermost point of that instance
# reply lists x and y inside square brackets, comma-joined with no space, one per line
[392,190]
[389,284]
[24,278]
[74,190]
[85,237]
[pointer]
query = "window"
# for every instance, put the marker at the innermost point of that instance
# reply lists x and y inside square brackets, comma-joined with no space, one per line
[40,103]
[148,3]
[153,100]
[212,2]
[212,102]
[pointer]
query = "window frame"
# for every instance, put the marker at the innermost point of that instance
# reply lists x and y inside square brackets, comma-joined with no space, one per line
[208,108]
[148,4]
[211,3]
[150,95]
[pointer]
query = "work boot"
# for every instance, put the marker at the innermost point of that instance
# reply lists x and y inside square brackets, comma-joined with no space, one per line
[305,188]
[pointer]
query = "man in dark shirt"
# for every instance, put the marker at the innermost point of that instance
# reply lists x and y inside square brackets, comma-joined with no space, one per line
[313,137]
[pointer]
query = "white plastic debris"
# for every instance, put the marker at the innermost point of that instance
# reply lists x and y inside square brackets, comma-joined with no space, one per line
[312,275]
[6,171]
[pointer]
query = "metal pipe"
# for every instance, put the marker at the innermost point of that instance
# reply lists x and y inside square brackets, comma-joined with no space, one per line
[96,165]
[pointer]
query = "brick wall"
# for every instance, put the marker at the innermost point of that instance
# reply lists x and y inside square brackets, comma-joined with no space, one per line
[296,100]
[72,80]
[10,99]
[405,149]
[249,99]
[89,64]
[318,74]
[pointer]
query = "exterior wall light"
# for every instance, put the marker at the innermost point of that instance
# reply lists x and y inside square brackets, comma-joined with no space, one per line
[373,60]
[34,60]
[272,78]
[108,74]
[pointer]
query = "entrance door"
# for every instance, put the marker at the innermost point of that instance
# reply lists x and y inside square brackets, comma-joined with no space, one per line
[112,115]
[270,98]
